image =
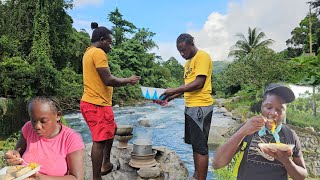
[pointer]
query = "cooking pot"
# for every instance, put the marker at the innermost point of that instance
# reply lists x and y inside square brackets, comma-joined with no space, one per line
[124,130]
[142,147]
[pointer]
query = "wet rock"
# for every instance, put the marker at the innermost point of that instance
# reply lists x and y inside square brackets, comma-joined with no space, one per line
[144,122]
[116,106]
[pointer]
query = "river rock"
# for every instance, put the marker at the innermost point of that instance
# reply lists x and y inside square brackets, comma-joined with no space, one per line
[168,160]
[144,122]
[222,110]
[219,102]
[152,172]
[310,128]
[229,114]
[116,106]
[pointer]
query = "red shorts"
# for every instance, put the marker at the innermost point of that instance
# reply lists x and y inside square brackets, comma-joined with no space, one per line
[100,120]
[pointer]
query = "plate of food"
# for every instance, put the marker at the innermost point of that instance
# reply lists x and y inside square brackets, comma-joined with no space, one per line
[18,172]
[276,146]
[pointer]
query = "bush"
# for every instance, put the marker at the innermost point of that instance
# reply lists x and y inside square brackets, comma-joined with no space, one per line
[9,144]
[13,115]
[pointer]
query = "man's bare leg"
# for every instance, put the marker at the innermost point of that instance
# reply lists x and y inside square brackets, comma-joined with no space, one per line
[195,165]
[201,166]
[106,165]
[97,157]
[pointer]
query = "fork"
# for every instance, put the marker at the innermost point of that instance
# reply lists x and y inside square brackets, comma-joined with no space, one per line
[24,161]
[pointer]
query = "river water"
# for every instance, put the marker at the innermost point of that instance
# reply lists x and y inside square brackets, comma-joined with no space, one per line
[167,127]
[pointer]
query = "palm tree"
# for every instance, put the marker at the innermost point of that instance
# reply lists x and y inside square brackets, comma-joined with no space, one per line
[245,46]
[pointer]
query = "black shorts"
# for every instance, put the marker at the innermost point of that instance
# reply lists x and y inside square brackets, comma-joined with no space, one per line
[197,127]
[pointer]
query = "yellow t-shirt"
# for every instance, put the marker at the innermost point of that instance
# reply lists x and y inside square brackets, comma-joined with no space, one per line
[95,91]
[200,64]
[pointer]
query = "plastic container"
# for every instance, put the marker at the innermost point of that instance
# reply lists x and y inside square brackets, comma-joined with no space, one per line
[152,93]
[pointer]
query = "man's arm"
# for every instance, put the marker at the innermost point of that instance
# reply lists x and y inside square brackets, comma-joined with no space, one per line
[296,168]
[109,80]
[197,84]
[225,153]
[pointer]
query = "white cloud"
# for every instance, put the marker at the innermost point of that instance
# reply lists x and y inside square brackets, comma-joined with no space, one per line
[167,50]
[87,2]
[276,18]
[82,24]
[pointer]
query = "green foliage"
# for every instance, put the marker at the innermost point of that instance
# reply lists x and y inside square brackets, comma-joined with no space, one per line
[220,66]
[303,119]
[16,78]
[175,68]
[8,47]
[121,26]
[309,66]
[8,144]
[256,69]
[13,114]
[225,173]
[300,42]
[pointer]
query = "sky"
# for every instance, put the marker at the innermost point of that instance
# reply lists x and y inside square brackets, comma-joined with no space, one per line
[213,23]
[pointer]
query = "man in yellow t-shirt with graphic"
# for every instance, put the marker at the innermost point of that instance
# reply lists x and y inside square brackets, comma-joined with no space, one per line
[96,102]
[199,102]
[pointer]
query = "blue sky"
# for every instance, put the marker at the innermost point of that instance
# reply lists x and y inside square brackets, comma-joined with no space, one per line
[213,23]
[167,18]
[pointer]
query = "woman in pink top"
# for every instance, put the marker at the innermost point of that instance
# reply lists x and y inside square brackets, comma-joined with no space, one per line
[45,141]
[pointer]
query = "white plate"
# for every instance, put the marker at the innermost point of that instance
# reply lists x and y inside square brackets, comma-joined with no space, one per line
[30,173]
[274,146]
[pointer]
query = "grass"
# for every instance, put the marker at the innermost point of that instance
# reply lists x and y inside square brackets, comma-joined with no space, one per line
[6,145]
[303,119]
[225,173]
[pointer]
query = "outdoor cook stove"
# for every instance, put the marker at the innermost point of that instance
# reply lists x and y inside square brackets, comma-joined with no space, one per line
[142,155]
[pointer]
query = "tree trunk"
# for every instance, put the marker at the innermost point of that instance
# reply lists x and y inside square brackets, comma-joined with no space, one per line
[314,107]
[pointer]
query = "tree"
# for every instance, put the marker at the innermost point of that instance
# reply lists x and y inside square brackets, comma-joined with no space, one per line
[175,68]
[144,37]
[299,42]
[258,68]
[245,45]
[121,26]
[46,81]
[316,5]
[311,66]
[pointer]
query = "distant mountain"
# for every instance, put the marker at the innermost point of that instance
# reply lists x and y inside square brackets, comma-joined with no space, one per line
[219,66]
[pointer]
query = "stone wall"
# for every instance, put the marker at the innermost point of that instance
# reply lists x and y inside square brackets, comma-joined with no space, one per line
[310,143]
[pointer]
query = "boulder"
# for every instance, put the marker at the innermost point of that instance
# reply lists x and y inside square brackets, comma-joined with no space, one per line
[229,114]
[144,122]
[152,172]
[222,110]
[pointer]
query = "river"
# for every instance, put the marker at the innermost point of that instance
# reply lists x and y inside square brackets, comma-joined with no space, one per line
[167,127]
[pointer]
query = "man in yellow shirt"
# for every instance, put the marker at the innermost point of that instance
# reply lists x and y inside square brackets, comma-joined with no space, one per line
[96,102]
[197,95]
